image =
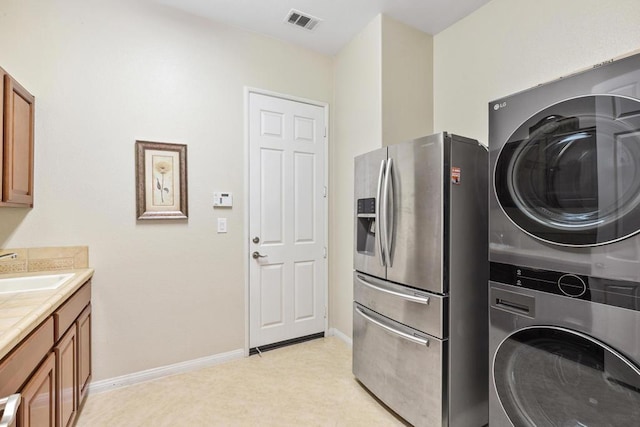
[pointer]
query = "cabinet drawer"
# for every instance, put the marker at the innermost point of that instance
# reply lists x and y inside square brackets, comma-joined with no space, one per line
[67,314]
[16,368]
[401,366]
[420,310]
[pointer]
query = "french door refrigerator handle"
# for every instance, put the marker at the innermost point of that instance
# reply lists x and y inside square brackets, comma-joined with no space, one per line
[412,298]
[379,215]
[10,406]
[388,188]
[417,340]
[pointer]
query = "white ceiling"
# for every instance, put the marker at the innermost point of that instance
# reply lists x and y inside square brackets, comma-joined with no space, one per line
[341,19]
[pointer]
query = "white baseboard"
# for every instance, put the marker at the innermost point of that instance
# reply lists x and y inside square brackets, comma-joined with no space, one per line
[336,333]
[163,371]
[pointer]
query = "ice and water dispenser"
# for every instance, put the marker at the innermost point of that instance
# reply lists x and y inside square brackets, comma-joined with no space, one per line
[366,231]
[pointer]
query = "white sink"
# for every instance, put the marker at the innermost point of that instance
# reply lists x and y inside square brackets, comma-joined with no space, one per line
[33,283]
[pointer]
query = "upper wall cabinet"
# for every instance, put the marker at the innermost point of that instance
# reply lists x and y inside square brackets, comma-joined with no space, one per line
[16,151]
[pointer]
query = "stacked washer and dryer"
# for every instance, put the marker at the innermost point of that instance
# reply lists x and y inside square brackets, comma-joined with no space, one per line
[564,218]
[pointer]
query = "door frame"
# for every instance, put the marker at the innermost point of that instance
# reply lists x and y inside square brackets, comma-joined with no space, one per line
[325,106]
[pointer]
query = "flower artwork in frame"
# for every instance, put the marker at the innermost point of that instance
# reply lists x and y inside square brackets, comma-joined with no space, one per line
[161,180]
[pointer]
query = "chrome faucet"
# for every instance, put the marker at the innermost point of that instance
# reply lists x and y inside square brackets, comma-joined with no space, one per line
[10,255]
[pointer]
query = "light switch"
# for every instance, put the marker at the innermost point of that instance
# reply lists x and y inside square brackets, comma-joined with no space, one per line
[222,225]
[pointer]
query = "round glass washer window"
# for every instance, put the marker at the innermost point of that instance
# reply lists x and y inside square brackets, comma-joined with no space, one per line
[550,376]
[571,173]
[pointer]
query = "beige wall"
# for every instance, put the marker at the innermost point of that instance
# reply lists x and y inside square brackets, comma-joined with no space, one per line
[104,74]
[511,45]
[407,82]
[383,95]
[357,128]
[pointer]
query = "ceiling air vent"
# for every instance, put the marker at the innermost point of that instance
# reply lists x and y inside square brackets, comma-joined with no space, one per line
[302,20]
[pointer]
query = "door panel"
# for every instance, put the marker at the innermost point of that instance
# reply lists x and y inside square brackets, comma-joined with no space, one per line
[304,197]
[304,128]
[271,124]
[304,293]
[287,216]
[272,197]
[367,255]
[272,292]
[417,226]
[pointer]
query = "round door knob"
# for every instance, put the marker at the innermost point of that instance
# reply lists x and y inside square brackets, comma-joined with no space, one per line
[256,239]
[257,255]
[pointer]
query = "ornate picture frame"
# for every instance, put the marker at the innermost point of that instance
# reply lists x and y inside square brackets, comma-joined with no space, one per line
[161,180]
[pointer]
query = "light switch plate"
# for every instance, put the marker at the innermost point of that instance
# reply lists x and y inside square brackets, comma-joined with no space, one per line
[222,225]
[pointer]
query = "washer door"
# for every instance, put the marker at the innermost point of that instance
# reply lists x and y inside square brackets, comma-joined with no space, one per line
[551,376]
[570,174]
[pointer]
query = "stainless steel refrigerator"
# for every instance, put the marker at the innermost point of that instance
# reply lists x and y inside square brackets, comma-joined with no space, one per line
[420,328]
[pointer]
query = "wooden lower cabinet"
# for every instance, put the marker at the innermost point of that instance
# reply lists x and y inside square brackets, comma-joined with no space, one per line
[67,369]
[38,407]
[51,368]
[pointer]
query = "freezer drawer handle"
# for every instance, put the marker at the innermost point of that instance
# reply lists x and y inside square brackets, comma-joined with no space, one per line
[414,339]
[10,406]
[413,298]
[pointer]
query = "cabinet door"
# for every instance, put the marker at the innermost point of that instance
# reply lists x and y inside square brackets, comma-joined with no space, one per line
[38,408]
[17,173]
[84,351]
[67,382]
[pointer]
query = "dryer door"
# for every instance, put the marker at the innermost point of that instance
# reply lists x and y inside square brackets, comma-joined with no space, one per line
[570,174]
[548,376]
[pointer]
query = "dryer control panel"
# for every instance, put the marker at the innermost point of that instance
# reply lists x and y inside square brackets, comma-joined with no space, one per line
[619,293]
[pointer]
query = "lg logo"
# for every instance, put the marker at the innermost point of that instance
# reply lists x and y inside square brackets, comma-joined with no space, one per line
[496,107]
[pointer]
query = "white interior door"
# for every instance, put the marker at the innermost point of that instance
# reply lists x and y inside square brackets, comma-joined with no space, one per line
[287,280]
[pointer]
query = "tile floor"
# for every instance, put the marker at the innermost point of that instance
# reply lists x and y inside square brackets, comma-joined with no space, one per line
[308,384]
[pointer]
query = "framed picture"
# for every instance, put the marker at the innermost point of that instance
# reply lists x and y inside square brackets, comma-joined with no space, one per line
[161,180]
